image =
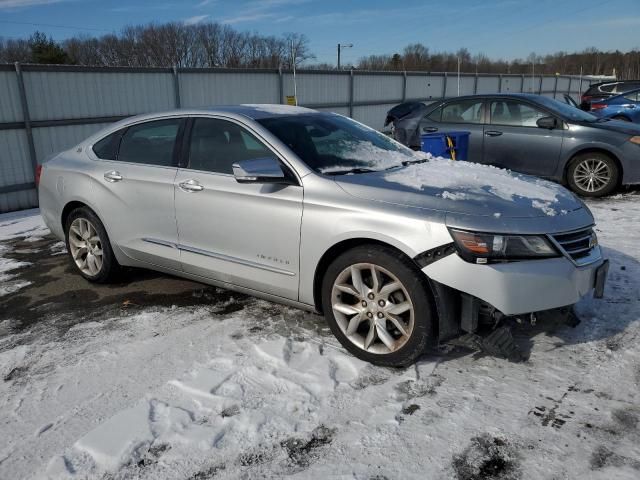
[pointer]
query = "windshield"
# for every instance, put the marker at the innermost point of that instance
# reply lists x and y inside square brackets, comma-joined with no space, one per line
[333,144]
[568,111]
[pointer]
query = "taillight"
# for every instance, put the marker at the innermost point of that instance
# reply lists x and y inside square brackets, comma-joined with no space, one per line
[598,106]
[38,174]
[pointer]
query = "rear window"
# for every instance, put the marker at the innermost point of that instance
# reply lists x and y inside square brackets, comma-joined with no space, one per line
[107,148]
[435,115]
[151,143]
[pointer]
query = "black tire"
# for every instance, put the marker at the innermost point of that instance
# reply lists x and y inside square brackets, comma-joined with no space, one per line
[582,159]
[416,286]
[110,267]
[621,118]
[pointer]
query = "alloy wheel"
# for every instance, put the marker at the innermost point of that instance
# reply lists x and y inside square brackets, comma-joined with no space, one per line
[372,308]
[85,246]
[592,175]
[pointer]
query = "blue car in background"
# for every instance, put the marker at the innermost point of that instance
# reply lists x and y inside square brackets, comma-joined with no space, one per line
[625,107]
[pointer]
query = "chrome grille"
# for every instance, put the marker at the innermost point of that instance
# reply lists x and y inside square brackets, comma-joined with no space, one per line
[578,245]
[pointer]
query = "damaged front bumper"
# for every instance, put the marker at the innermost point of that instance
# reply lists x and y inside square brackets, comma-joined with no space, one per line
[472,299]
[516,288]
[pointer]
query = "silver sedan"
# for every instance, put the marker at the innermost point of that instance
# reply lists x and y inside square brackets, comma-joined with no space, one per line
[398,250]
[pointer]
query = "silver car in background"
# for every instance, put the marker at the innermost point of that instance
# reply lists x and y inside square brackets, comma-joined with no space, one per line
[398,250]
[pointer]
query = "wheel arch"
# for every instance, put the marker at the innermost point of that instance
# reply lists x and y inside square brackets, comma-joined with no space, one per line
[70,207]
[601,150]
[621,116]
[337,249]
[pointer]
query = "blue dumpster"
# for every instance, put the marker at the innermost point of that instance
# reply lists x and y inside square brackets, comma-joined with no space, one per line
[437,145]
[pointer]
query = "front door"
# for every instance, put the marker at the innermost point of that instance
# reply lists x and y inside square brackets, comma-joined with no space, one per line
[240,233]
[133,193]
[513,140]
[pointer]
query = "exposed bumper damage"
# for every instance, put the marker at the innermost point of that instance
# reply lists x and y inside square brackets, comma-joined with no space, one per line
[488,300]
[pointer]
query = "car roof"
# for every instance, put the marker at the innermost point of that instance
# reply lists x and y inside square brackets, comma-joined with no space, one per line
[262,110]
[525,96]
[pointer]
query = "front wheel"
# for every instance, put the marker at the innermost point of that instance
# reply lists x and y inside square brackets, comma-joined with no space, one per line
[378,305]
[593,174]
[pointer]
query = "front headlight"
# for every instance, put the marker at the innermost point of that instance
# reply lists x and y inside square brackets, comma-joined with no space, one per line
[487,247]
[635,140]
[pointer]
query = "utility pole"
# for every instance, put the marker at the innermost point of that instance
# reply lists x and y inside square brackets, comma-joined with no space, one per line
[340,47]
[458,76]
[533,71]
[293,64]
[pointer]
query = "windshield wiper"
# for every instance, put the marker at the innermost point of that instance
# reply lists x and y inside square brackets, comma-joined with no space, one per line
[412,162]
[350,170]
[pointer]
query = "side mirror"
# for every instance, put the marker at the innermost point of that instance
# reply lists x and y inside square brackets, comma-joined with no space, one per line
[259,170]
[547,122]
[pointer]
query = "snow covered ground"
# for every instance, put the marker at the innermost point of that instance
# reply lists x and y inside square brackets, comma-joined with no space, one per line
[235,387]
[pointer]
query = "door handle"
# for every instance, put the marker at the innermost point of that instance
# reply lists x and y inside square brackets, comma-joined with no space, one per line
[113,176]
[429,129]
[492,133]
[190,186]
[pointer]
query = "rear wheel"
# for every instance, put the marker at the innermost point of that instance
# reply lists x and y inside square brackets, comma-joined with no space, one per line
[378,305]
[593,174]
[88,246]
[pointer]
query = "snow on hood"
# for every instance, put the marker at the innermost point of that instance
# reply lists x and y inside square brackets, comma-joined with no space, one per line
[465,188]
[464,180]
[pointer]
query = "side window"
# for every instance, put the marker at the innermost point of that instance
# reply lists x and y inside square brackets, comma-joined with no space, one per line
[466,111]
[216,145]
[609,88]
[634,97]
[436,115]
[508,112]
[107,148]
[151,143]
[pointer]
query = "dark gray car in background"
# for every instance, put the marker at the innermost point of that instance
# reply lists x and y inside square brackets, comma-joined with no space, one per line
[544,137]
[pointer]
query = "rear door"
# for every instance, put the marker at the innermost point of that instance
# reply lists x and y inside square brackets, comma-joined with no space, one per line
[134,178]
[247,234]
[513,140]
[465,115]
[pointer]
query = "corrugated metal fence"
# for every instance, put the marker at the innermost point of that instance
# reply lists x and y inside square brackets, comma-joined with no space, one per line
[45,109]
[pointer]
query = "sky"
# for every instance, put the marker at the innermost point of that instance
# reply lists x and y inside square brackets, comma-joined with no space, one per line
[505,29]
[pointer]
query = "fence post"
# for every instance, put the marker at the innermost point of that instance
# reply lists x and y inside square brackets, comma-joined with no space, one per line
[555,87]
[26,118]
[522,85]
[540,89]
[500,83]
[404,86]
[444,86]
[176,86]
[281,85]
[580,87]
[475,84]
[351,93]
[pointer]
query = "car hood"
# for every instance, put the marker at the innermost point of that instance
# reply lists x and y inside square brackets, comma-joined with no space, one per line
[463,188]
[627,128]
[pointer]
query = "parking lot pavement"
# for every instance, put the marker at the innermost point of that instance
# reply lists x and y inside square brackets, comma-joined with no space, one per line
[158,377]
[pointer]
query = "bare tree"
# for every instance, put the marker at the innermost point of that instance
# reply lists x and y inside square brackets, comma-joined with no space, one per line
[297,45]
